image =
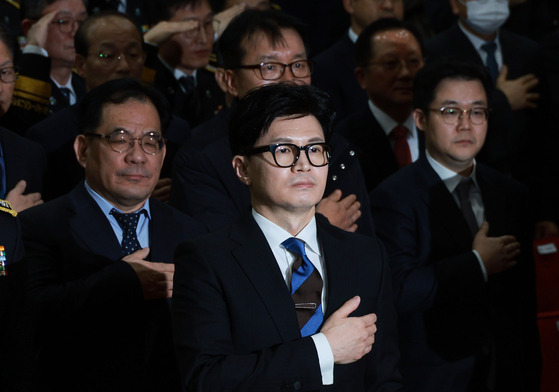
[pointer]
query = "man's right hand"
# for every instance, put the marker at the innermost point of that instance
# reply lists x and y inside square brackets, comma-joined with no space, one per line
[156,278]
[342,213]
[350,338]
[164,30]
[497,253]
[38,33]
[19,201]
[518,91]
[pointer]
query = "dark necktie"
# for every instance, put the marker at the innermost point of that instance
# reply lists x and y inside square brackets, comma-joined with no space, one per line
[65,91]
[128,223]
[187,83]
[306,288]
[401,146]
[491,62]
[463,192]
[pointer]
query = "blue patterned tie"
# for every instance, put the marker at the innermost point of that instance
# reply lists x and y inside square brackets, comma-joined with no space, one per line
[65,91]
[306,288]
[128,224]
[491,62]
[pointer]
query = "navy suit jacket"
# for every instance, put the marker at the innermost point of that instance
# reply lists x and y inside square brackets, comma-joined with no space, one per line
[235,325]
[448,314]
[334,73]
[376,156]
[57,134]
[206,187]
[94,329]
[23,160]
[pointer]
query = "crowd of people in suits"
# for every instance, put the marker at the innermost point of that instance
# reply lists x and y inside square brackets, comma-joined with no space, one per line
[215,195]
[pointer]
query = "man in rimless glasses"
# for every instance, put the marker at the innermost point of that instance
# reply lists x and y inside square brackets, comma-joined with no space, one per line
[458,238]
[280,299]
[100,257]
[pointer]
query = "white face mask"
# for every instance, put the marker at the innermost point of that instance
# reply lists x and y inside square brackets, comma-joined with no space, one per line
[486,16]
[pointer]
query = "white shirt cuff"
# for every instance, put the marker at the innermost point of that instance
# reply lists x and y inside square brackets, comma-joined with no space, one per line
[34,49]
[325,358]
[481,265]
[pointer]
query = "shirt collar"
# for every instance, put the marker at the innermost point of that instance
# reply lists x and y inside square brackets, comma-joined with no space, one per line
[352,35]
[68,85]
[450,178]
[475,40]
[276,234]
[106,207]
[177,73]
[387,123]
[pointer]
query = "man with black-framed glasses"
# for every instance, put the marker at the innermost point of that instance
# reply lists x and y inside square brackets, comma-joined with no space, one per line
[259,48]
[458,236]
[280,299]
[100,257]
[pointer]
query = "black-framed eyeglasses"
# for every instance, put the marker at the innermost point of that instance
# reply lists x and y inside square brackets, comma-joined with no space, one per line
[110,58]
[122,141]
[452,115]
[274,70]
[66,24]
[8,74]
[287,154]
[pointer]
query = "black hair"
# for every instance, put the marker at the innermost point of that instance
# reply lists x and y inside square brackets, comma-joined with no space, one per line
[165,9]
[119,91]
[244,26]
[33,9]
[81,39]
[428,78]
[8,39]
[252,116]
[364,49]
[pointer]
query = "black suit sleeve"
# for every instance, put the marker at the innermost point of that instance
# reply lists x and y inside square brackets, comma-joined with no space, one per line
[207,353]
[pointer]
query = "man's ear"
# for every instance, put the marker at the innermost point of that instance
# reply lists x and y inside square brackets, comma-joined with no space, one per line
[361,76]
[241,169]
[420,119]
[454,7]
[81,149]
[348,6]
[26,25]
[81,66]
[220,78]
[230,82]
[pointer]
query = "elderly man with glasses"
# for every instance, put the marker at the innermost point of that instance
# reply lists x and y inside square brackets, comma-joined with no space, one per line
[100,257]
[458,238]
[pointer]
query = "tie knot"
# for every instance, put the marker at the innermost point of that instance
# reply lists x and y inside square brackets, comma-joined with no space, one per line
[463,189]
[489,47]
[399,132]
[127,221]
[187,82]
[295,245]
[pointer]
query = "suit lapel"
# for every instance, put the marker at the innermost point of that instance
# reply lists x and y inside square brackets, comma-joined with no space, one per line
[494,202]
[91,226]
[259,264]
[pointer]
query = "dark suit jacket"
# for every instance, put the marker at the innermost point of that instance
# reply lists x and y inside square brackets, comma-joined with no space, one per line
[196,108]
[375,153]
[334,73]
[141,11]
[448,315]
[234,322]
[205,185]
[57,134]
[509,146]
[24,160]
[35,94]
[94,329]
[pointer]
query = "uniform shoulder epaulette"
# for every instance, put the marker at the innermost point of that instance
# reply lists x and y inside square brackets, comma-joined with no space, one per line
[6,207]
[14,3]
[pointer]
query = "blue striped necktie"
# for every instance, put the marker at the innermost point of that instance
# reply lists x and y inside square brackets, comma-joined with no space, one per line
[306,288]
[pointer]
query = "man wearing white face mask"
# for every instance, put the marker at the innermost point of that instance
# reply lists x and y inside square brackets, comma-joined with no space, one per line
[512,143]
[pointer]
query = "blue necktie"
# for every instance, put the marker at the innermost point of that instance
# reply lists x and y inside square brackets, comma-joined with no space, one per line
[66,94]
[491,62]
[306,289]
[128,223]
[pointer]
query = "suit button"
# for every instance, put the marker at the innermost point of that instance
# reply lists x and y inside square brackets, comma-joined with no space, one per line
[352,153]
[334,177]
[342,166]
[296,385]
